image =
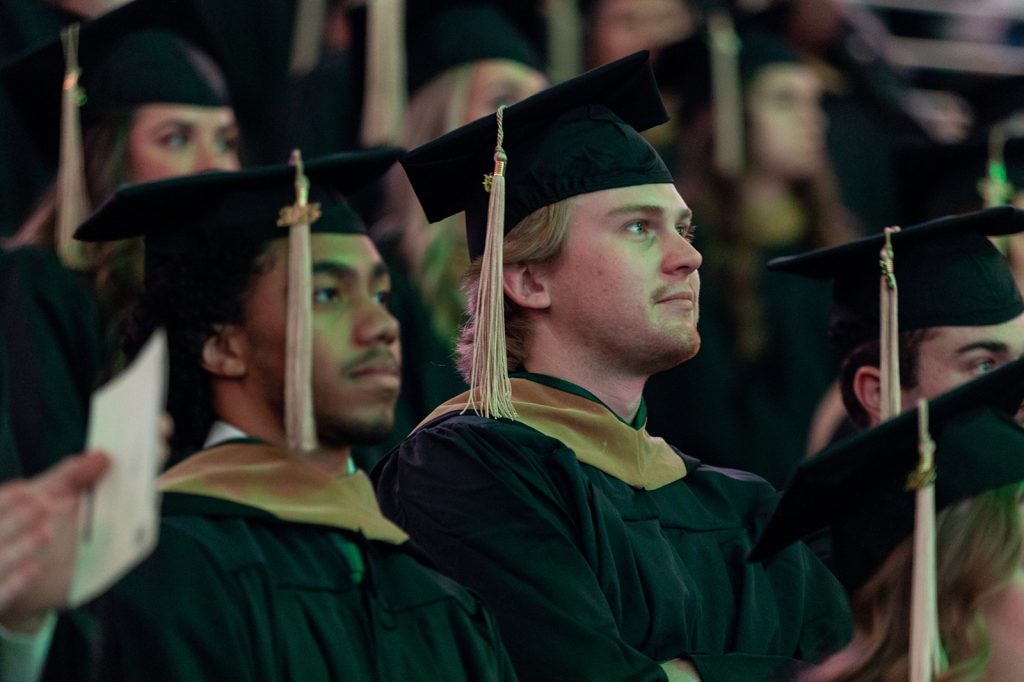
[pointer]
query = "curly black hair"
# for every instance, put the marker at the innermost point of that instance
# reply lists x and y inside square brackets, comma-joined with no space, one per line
[189,296]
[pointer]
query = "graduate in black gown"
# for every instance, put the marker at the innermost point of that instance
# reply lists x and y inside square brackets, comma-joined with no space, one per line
[154,104]
[605,553]
[866,492]
[274,562]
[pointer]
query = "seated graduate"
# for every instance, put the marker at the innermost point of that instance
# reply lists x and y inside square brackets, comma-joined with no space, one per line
[865,491]
[605,553]
[274,561]
[960,313]
[153,104]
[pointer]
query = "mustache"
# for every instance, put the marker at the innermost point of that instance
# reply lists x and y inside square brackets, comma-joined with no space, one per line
[377,358]
[666,290]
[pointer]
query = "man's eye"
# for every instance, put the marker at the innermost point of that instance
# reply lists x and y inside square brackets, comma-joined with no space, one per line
[638,227]
[326,295]
[984,366]
[382,298]
[686,231]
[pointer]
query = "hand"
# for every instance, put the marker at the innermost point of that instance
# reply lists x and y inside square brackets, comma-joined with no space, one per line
[679,670]
[38,538]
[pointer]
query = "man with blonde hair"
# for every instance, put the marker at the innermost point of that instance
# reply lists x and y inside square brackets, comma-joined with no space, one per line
[604,552]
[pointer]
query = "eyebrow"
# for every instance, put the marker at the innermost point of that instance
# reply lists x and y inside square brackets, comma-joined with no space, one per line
[992,346]
[348,273]
[685,214]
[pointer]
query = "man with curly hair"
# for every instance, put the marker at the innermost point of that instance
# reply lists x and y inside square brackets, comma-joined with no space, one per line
[274,562]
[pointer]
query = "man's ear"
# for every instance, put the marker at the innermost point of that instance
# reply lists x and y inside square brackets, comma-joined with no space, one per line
[527,286]
[225,352]
[867,386]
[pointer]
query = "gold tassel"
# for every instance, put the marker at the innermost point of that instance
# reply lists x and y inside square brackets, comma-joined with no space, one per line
[385,91]
[889,333]
[73,204]
[727,94]
[927,657]
[307,36]
[564,40]
[490,391]
[300,426]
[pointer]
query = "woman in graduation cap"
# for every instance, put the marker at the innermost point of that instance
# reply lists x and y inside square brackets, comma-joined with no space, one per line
[865,490]
[464,62]
[152,105]
[754,168]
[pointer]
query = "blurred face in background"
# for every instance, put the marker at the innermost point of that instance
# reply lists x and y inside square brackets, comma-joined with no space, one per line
[786,125]
[621,27]
[494,82]
[168,140]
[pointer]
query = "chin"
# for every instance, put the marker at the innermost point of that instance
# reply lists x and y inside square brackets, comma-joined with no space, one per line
[352,430]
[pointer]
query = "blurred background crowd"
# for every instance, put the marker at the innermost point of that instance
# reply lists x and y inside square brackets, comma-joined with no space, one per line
[795,124]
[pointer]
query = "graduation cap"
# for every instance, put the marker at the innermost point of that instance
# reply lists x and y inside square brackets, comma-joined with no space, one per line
[401,45]
[714,66]
[949,274]
[216,210]
[143,52]
[858,487]
[577,137]
[146,51]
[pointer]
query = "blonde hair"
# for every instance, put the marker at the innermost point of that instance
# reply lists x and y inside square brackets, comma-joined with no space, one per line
[434,253]
[537,238]
[980,545]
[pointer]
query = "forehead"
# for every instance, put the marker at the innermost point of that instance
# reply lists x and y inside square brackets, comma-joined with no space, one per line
[664,197]
[151,114]
[1010,333]
[356,251]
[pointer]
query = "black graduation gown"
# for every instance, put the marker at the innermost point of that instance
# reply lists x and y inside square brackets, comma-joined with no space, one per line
[234,593]
[750,415]
[52,356]
[592,579]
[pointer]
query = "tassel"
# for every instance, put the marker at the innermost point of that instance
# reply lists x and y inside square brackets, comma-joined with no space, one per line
[72,197]
[307,36]
[490,391]
[300,426]
[889,336]
[385,92]
[564,40]
[727,94]
[926,653]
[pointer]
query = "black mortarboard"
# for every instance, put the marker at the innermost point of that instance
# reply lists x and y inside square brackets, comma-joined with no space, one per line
[146,51]
[461,32]
[579,136]
[393,58]
[685,67]
[858,487]
[217,209]
[949,274]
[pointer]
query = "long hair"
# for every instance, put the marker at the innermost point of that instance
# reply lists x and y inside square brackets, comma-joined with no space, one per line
[192,297]
[114,269]
[730,253]
[980,544]
[538,238]
[435,254]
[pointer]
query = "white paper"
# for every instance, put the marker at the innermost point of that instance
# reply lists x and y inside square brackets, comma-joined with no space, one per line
[119,520]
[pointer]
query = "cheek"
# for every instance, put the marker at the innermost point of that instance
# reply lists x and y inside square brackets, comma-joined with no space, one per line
[1005,619]
[152,162]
